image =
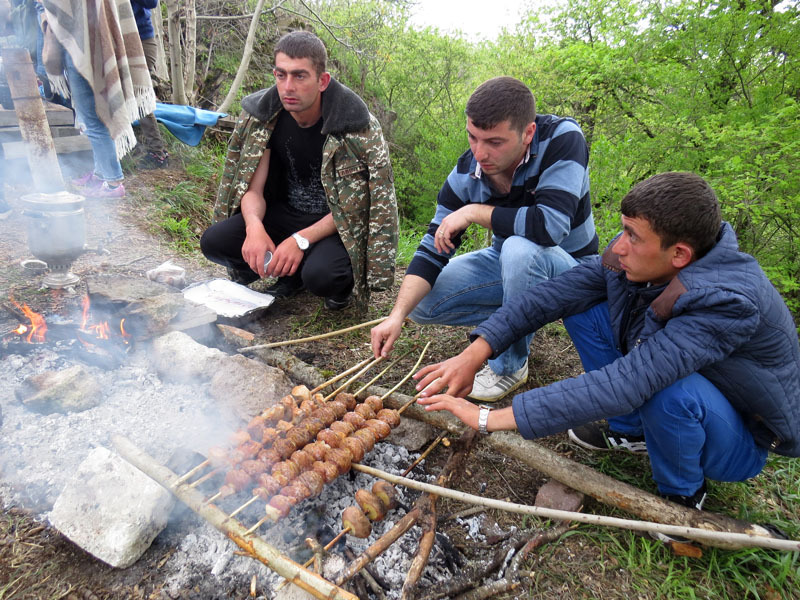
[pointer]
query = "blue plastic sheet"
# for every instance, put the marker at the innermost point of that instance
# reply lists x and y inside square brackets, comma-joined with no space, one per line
[186,122]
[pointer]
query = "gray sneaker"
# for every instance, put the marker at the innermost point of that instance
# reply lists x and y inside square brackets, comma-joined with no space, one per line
[488,386]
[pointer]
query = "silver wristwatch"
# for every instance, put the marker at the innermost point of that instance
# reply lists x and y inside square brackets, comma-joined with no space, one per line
[483,418]
[302,242]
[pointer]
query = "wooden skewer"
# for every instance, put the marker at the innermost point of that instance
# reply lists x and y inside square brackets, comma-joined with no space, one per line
[214,497]
[243,506]
[257,525]
[347,383]
[424,455]
[402,409]
[410,373]
[322,386]
[311,338]
[188,475]
[205,477]
[382,373]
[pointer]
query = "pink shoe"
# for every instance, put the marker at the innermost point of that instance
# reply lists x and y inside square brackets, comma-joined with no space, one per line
[86,181]
[106,191]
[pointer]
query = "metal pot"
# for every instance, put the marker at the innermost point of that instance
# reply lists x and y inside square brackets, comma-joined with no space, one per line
[56,231]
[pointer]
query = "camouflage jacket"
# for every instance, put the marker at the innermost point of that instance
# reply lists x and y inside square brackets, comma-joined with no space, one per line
[356,175]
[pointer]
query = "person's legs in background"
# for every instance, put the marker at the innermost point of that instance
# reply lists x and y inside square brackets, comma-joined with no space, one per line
[155,150]
[105,181]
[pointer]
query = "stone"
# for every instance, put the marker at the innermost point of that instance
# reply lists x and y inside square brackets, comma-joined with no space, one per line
[558,496]
[111,509]
[150,308]
[246,386]
[412,435]
[178,357]
[66,391]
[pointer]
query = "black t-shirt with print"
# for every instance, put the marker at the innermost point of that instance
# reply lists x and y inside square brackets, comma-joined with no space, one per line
[294,166]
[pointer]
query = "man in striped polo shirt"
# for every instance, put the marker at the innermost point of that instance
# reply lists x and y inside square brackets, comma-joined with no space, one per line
[526,178]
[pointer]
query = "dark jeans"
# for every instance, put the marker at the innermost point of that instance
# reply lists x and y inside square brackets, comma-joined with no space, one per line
[325,270]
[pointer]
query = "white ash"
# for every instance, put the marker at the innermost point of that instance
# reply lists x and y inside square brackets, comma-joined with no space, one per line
[38,453]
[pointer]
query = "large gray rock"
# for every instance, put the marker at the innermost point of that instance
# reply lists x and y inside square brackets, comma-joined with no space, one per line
[177,357]
[111,509]
[246,386]
[65,391]
[412,434]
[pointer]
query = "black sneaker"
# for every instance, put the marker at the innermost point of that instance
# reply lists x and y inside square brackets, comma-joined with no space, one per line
[694,501]
[598,436]
[332,303]
[286,287]
[242,277]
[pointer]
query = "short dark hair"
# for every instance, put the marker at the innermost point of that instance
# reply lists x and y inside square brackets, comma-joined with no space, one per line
[502,99]
[304,44]
[680,207]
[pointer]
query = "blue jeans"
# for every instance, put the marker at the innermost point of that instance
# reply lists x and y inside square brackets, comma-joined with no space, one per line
[692,431]
[472,286]
[106,163]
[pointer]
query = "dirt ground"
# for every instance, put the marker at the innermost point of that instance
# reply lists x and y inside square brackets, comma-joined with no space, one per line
[37,562]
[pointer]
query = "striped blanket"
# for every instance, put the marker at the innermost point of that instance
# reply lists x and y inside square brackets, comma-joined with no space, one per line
[103,42]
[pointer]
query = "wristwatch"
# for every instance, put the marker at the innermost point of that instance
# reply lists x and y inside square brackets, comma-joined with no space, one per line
[483,418]
[302,242]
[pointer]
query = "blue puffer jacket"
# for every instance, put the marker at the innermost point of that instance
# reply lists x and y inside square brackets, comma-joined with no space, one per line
[141,12]
[720,317]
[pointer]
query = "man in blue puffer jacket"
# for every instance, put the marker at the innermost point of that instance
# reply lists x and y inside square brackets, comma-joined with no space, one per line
[689,351]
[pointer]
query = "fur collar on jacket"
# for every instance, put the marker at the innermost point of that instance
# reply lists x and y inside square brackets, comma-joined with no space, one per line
[342,110]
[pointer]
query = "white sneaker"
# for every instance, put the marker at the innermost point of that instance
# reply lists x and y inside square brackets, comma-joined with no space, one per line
[488,386]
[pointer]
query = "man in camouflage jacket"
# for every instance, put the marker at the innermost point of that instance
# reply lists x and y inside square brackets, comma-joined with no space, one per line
[355,175]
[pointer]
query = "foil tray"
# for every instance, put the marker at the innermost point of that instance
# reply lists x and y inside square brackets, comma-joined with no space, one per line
[231,301]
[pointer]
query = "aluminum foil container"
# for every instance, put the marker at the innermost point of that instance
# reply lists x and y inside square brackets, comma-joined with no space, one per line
[228,299]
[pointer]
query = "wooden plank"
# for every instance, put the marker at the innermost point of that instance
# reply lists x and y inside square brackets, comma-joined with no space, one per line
[62,145]
[40,150]
[56,115]
[13,134]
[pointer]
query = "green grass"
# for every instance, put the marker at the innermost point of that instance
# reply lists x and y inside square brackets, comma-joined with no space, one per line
[769,498]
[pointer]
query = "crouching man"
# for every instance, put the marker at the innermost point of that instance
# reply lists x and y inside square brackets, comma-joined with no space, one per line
[308,183]
[690,353]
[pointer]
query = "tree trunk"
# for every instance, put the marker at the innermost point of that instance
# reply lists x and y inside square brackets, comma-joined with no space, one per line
[246,55]
[175,58]
[190,45]
[162,71]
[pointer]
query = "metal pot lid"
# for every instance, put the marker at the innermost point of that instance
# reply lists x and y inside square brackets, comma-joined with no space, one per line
[54,201]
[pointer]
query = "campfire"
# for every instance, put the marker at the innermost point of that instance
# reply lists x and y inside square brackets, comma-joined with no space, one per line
[92,339]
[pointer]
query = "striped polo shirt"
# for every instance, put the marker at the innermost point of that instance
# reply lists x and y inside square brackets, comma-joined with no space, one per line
[549,201]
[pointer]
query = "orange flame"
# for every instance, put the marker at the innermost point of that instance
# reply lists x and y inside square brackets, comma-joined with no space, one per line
[38,328]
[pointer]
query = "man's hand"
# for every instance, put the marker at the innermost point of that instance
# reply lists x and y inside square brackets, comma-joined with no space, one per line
[256,244]
[499,419]
[286,259]
[384,336]
[456,374]
[466,411]
[458,221]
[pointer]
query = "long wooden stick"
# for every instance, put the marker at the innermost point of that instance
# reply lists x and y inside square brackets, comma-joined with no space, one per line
[255,547]
[189,474]
[382,373]
[312,338]
[355,377]
[341,375]
[745,540]
[410,373]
